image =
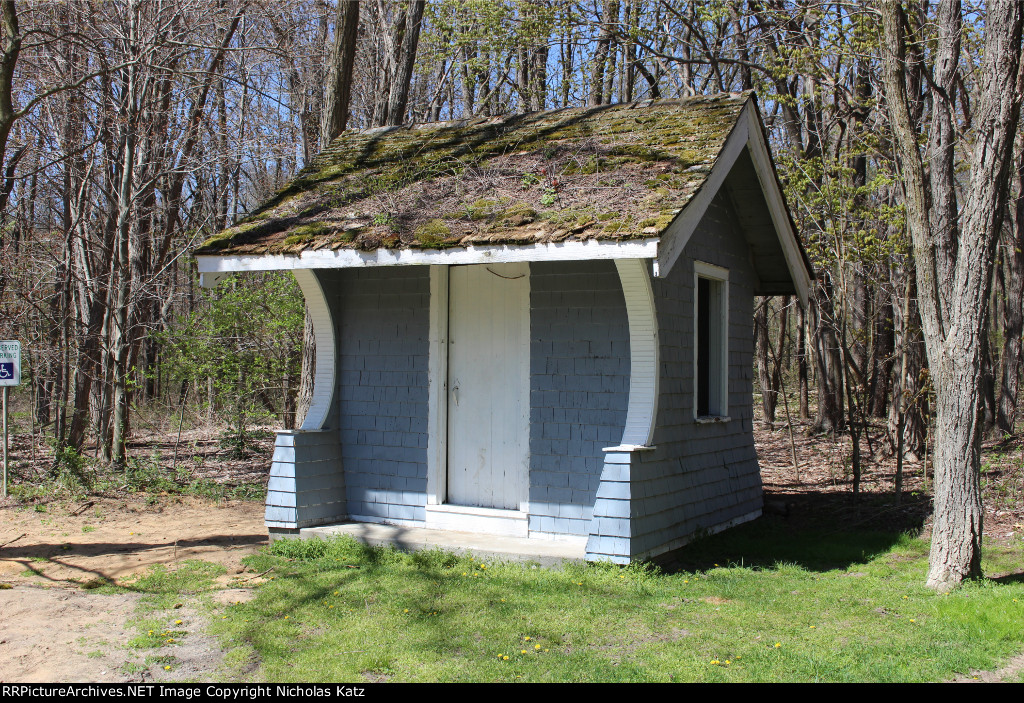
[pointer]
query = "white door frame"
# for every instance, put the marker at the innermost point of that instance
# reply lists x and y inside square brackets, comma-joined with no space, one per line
[439,514]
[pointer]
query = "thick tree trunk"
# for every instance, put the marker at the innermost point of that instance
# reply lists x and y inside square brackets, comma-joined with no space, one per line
[953,250]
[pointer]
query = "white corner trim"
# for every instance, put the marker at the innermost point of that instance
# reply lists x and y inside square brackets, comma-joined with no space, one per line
[323,332]
[747,133]
[484,254]
[437,388]
[643,351]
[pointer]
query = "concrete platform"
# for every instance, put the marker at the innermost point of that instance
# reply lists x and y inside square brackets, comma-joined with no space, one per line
[546,552]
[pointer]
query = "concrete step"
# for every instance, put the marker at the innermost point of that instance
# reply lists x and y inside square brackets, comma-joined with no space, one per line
[546,552]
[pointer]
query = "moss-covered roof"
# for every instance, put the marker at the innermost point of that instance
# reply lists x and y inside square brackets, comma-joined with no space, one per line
[609,172]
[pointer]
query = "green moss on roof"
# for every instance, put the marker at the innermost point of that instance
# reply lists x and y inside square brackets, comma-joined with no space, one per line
[608,172]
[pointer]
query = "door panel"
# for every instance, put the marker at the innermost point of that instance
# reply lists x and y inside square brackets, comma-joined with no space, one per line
[488,385]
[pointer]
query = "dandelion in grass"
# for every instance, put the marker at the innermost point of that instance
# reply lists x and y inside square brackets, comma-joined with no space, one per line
[522,651]
[536,646]
[167,668]
[778,644]
[177,622]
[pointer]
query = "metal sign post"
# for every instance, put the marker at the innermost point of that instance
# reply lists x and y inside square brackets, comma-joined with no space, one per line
[10,375]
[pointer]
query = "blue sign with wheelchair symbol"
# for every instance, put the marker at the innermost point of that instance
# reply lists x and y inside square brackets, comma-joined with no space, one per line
[10,363]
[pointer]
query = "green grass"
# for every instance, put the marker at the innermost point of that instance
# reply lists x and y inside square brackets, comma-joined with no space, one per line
[848,607]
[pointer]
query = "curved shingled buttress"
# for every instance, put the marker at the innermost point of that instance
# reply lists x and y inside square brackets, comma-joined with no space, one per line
[323,332]
[307,486]
[643,352]
[611,528]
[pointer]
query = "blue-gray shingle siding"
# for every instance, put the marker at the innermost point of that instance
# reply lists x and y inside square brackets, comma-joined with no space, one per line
[702,476]
[579,387]
[382,322]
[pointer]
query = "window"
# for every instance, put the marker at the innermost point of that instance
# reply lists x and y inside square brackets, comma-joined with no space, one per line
[711,348]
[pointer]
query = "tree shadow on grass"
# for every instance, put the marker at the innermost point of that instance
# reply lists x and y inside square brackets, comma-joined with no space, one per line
[815,531]
[1017,577]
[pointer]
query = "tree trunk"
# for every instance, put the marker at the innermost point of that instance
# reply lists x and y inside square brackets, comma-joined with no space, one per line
[398,95]
[1013,308]
[339,84]
[764,378]
[801,362]
[883,356]
[305,395]
[600,59]
[953,251]
[826,356]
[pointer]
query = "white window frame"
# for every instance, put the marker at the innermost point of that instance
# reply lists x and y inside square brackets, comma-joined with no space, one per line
[719,344]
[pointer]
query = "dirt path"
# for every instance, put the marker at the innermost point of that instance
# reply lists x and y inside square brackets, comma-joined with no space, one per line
[51,629]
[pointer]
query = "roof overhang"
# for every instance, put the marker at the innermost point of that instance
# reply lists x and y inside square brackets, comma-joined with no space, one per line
[747,136]
[745,150]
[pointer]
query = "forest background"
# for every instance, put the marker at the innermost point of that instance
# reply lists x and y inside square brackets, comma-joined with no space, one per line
[131,131]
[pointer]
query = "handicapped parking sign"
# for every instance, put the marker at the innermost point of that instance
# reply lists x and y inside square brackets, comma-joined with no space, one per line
[10,363]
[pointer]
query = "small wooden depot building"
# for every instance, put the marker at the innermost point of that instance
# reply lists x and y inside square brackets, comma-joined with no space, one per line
[536,325]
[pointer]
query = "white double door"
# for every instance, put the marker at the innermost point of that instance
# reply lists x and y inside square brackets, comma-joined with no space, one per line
[488,385]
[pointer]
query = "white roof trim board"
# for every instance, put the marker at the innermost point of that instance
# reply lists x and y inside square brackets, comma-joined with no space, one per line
[487,254]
